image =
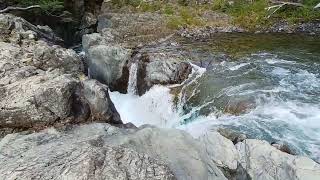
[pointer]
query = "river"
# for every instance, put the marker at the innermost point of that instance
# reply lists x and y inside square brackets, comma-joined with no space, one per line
[266,86]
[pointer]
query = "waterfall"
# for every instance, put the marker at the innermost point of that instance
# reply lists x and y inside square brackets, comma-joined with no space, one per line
[132,83]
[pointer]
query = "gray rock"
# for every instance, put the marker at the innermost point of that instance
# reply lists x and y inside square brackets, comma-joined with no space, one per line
[90,40]
[160,67]
[263,161]
[47,57]
[36,101]
[106,64]
[221,150]
[232,135]
[101,151]
[97,96]
[39,55]
[183,154]
[69,155]
[167,72]
[88,23]
[284,147]
[50,98]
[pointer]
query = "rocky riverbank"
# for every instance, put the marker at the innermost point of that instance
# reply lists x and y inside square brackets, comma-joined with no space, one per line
[57,123]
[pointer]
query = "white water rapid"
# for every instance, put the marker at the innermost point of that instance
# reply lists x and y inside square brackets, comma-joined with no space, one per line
[284,94]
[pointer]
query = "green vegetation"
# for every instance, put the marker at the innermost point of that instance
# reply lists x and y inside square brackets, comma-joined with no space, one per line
[47,5]
[185,17]
[250,15]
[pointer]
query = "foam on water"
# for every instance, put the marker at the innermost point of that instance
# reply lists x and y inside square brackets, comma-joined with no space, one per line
[236,67]
[154,107]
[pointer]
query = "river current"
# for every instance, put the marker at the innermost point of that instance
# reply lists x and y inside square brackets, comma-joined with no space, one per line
[266,86]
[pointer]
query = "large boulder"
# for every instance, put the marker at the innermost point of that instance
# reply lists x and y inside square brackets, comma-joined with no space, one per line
[263,161]
[158,65]
[77,154]
[183,154]
[221,150]
[52,98]
[107,63]
[98,99]
[39,100]
[166,72]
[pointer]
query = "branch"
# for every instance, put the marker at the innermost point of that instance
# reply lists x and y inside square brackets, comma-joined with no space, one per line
[11,8]
[287,3]
[279,5]
[317,6]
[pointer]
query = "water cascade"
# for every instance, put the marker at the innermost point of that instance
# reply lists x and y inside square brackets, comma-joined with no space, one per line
[132,83]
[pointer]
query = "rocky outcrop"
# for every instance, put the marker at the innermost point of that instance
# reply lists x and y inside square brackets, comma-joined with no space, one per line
[263,161]
[78,154]
[43,84]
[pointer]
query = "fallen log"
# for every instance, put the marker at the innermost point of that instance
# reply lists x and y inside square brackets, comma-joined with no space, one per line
[279,5]
[12,8]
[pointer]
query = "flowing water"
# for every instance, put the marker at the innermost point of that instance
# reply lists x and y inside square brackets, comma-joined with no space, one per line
[132,83]
[267,86]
